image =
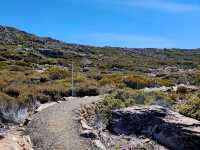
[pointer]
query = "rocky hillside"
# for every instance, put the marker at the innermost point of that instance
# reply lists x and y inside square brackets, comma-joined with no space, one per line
[42,48]
[38,69]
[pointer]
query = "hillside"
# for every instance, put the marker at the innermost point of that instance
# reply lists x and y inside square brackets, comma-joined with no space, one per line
[47,50]
[37,70]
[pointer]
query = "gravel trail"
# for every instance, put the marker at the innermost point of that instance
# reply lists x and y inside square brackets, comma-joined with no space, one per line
[56,127]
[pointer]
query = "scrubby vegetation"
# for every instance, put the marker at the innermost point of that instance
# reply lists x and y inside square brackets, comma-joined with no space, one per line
[191,107]
[56,73]
[39,69]
[187,104]
[128,97]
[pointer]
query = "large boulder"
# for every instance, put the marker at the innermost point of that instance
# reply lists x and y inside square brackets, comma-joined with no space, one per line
[168,128]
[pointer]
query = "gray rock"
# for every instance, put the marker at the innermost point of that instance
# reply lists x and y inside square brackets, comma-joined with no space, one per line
[88,134]
[168,128]
[86,62]
[85,125]
[45,106]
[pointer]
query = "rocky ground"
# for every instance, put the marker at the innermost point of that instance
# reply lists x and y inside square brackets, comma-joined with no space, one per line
[142,127]
[160,124]
[75,124]
[15,139]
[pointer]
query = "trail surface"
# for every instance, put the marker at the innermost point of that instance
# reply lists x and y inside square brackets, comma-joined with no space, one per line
[56,127]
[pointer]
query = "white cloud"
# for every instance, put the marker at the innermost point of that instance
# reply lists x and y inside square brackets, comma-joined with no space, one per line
[163,5]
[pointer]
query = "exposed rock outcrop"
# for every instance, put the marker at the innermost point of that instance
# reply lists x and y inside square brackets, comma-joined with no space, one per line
[15,139]
[105,140]
[168,128]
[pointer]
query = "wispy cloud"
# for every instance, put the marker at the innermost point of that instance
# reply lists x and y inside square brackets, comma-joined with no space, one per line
[163,5]
[126,40]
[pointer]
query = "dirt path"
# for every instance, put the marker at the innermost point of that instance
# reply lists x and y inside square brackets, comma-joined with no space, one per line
[56,127]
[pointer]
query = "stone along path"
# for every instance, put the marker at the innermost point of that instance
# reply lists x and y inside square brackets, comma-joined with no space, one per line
[56,127]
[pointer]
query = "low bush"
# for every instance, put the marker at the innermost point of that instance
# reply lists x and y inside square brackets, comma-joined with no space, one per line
[12,111]
[191,108]
[17,68]
[5,98]
[86,91]
[56,73]
[196,80]
[165,82]
[42,98]
[13,92]
[23,63]
[182,90]
[138,82]
[3,84]
[52,93]
[125,98]
[3,64]
[115,80]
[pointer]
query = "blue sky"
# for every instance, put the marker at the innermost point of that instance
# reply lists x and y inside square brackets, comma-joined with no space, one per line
[126,23]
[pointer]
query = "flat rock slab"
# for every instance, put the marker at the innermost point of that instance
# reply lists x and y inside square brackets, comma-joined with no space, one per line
[44,106]
[170,129]
[15,140]
[56,128]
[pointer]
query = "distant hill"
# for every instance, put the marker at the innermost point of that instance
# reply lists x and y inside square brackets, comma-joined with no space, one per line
[113,58]
[39,69]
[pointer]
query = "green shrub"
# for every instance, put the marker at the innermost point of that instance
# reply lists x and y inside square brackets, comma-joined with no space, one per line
[42,98]
[5,98]
[23,63]
[12,91]
[182,90]
[17,68]
[138,82]
[126,98]
[56,73]
[191,108]
[3,65]
[115,80]
[156,98]
[119,99]
[197,79]
[86,91]
[164,82]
